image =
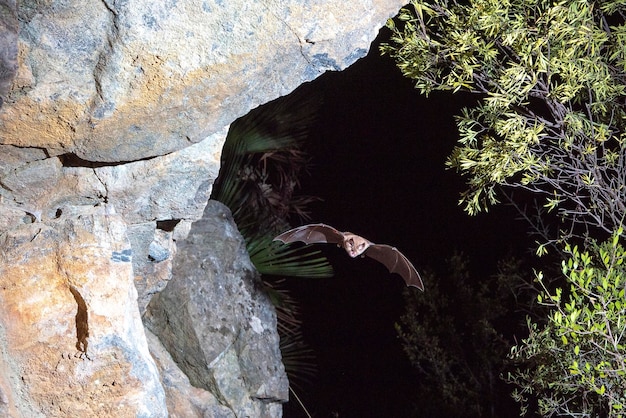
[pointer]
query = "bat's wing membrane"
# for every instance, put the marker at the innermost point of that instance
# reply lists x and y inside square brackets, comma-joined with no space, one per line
[396,262]
[311,234]
[393,259]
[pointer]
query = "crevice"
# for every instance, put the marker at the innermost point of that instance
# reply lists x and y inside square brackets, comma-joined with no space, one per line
[82,323]
[105,197]
[5,187]
[112,10]
[167,225]
[301,42]
[72,160]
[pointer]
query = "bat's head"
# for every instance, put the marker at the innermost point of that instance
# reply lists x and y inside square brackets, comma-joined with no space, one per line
[355,245]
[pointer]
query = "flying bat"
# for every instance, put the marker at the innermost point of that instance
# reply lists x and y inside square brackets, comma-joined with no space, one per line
[355,246]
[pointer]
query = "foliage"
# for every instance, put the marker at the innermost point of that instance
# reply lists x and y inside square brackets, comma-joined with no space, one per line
[550,114]
[457,338]
[273,258]
[550,84]
[575,365]
[262,160]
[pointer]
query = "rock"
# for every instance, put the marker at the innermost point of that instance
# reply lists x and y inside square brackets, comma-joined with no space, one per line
[8,46]
[183,399]
[14,157]
[70,324]
[219,328]
[153,252]
[175,186]
[118,81]
[26,180]
[110,140]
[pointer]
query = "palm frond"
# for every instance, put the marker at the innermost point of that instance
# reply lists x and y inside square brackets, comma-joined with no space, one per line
[297,356]
[262,161]
[273,258]
[287,308]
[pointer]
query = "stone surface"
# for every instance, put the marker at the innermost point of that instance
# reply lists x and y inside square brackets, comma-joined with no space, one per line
[119,81]
[183,399]
[175,186]
[70,323]
[216,324]
[8,46]
[110,139]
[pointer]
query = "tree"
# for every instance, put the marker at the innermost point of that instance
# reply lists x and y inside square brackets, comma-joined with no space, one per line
[551,80]
[458,336]
[575,364]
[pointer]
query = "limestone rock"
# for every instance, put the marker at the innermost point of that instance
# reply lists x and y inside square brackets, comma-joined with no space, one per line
[70,324]
[183,399]
[175,186]
[110,140]
[218,327]
[119,81]
[8,46]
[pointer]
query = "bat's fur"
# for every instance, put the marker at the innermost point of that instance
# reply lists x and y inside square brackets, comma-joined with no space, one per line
[354,244]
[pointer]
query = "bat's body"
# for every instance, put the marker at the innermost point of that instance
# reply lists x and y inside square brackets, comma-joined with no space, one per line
[355,246]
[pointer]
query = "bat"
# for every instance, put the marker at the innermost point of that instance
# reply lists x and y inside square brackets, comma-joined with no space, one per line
[355,246]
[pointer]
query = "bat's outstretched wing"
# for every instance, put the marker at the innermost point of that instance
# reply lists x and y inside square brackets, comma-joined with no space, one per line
[311,234]
[393,259]
[396,262]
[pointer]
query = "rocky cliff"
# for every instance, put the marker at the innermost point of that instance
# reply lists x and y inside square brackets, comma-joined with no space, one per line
[113,117]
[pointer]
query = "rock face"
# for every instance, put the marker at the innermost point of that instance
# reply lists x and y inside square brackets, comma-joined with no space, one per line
[111,131]
[8,45]
[217,325]
[70,324]
[122,80]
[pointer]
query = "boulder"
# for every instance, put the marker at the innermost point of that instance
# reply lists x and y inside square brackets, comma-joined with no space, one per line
[217,323]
